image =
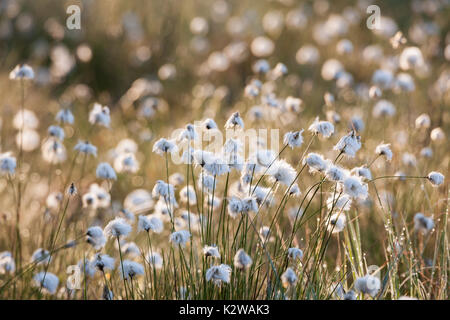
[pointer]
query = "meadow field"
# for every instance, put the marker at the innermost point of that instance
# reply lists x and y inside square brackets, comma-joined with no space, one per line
[224,149]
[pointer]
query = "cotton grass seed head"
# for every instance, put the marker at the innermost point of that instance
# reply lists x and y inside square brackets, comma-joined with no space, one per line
[315,162]
[350,295]
[7,163]
[65,116]
[295,253]
[342,202]
[131,269]
[22,71]
[163,146]
[337,222]
[324,128]
[126,163]
[180,238]
[235,207]
[368,285]
[155,260]
[53,151]
[103,261]
[335,173]
[218,274]
[209,124]
[56,132]
[355,188]
[41,256]
[105,171]
[289,278]
[86,148]
[384,108]
[117,228]
[242,260]
[349,144]
[217,166]
[131,250]
[423,121]
[150,223]
[282,172]
[235,122]
[423,224]
[363,172]
[100,115]
[437,135]
[47,281]
[293,139]
[436,178]
[211,251]
[249,204]
[384,149]
[206,182]
[7,264]
[96,237]
[294,191]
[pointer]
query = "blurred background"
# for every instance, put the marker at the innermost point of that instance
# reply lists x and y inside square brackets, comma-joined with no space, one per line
[121,41]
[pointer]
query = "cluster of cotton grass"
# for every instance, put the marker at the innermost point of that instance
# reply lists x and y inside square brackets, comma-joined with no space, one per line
[349,187]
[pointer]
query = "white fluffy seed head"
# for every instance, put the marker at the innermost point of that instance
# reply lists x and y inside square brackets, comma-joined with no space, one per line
[211,251]
[105,171]
[368,284]
[342,202]
[117,228]
[7,264]
[349,144]
[423,121]
[131,269]
[295,253]
[7,163]
[423,224]
[86,148]
[282,172]
[289,278]
[335,173]
[325,128]
[64,116]
[235,122]
[436,178]
[363,172]
[235,207]
[96,237]
[218,274]
[100,115]
[384,149]
[41,256]
[163,146]
[242,260]
[337,222]
[383,108]
[315,162]
[355,188]
[180,237]
[437,134]
[155,260]
[21,71]
[47,281]
[103,261]
[293,139]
